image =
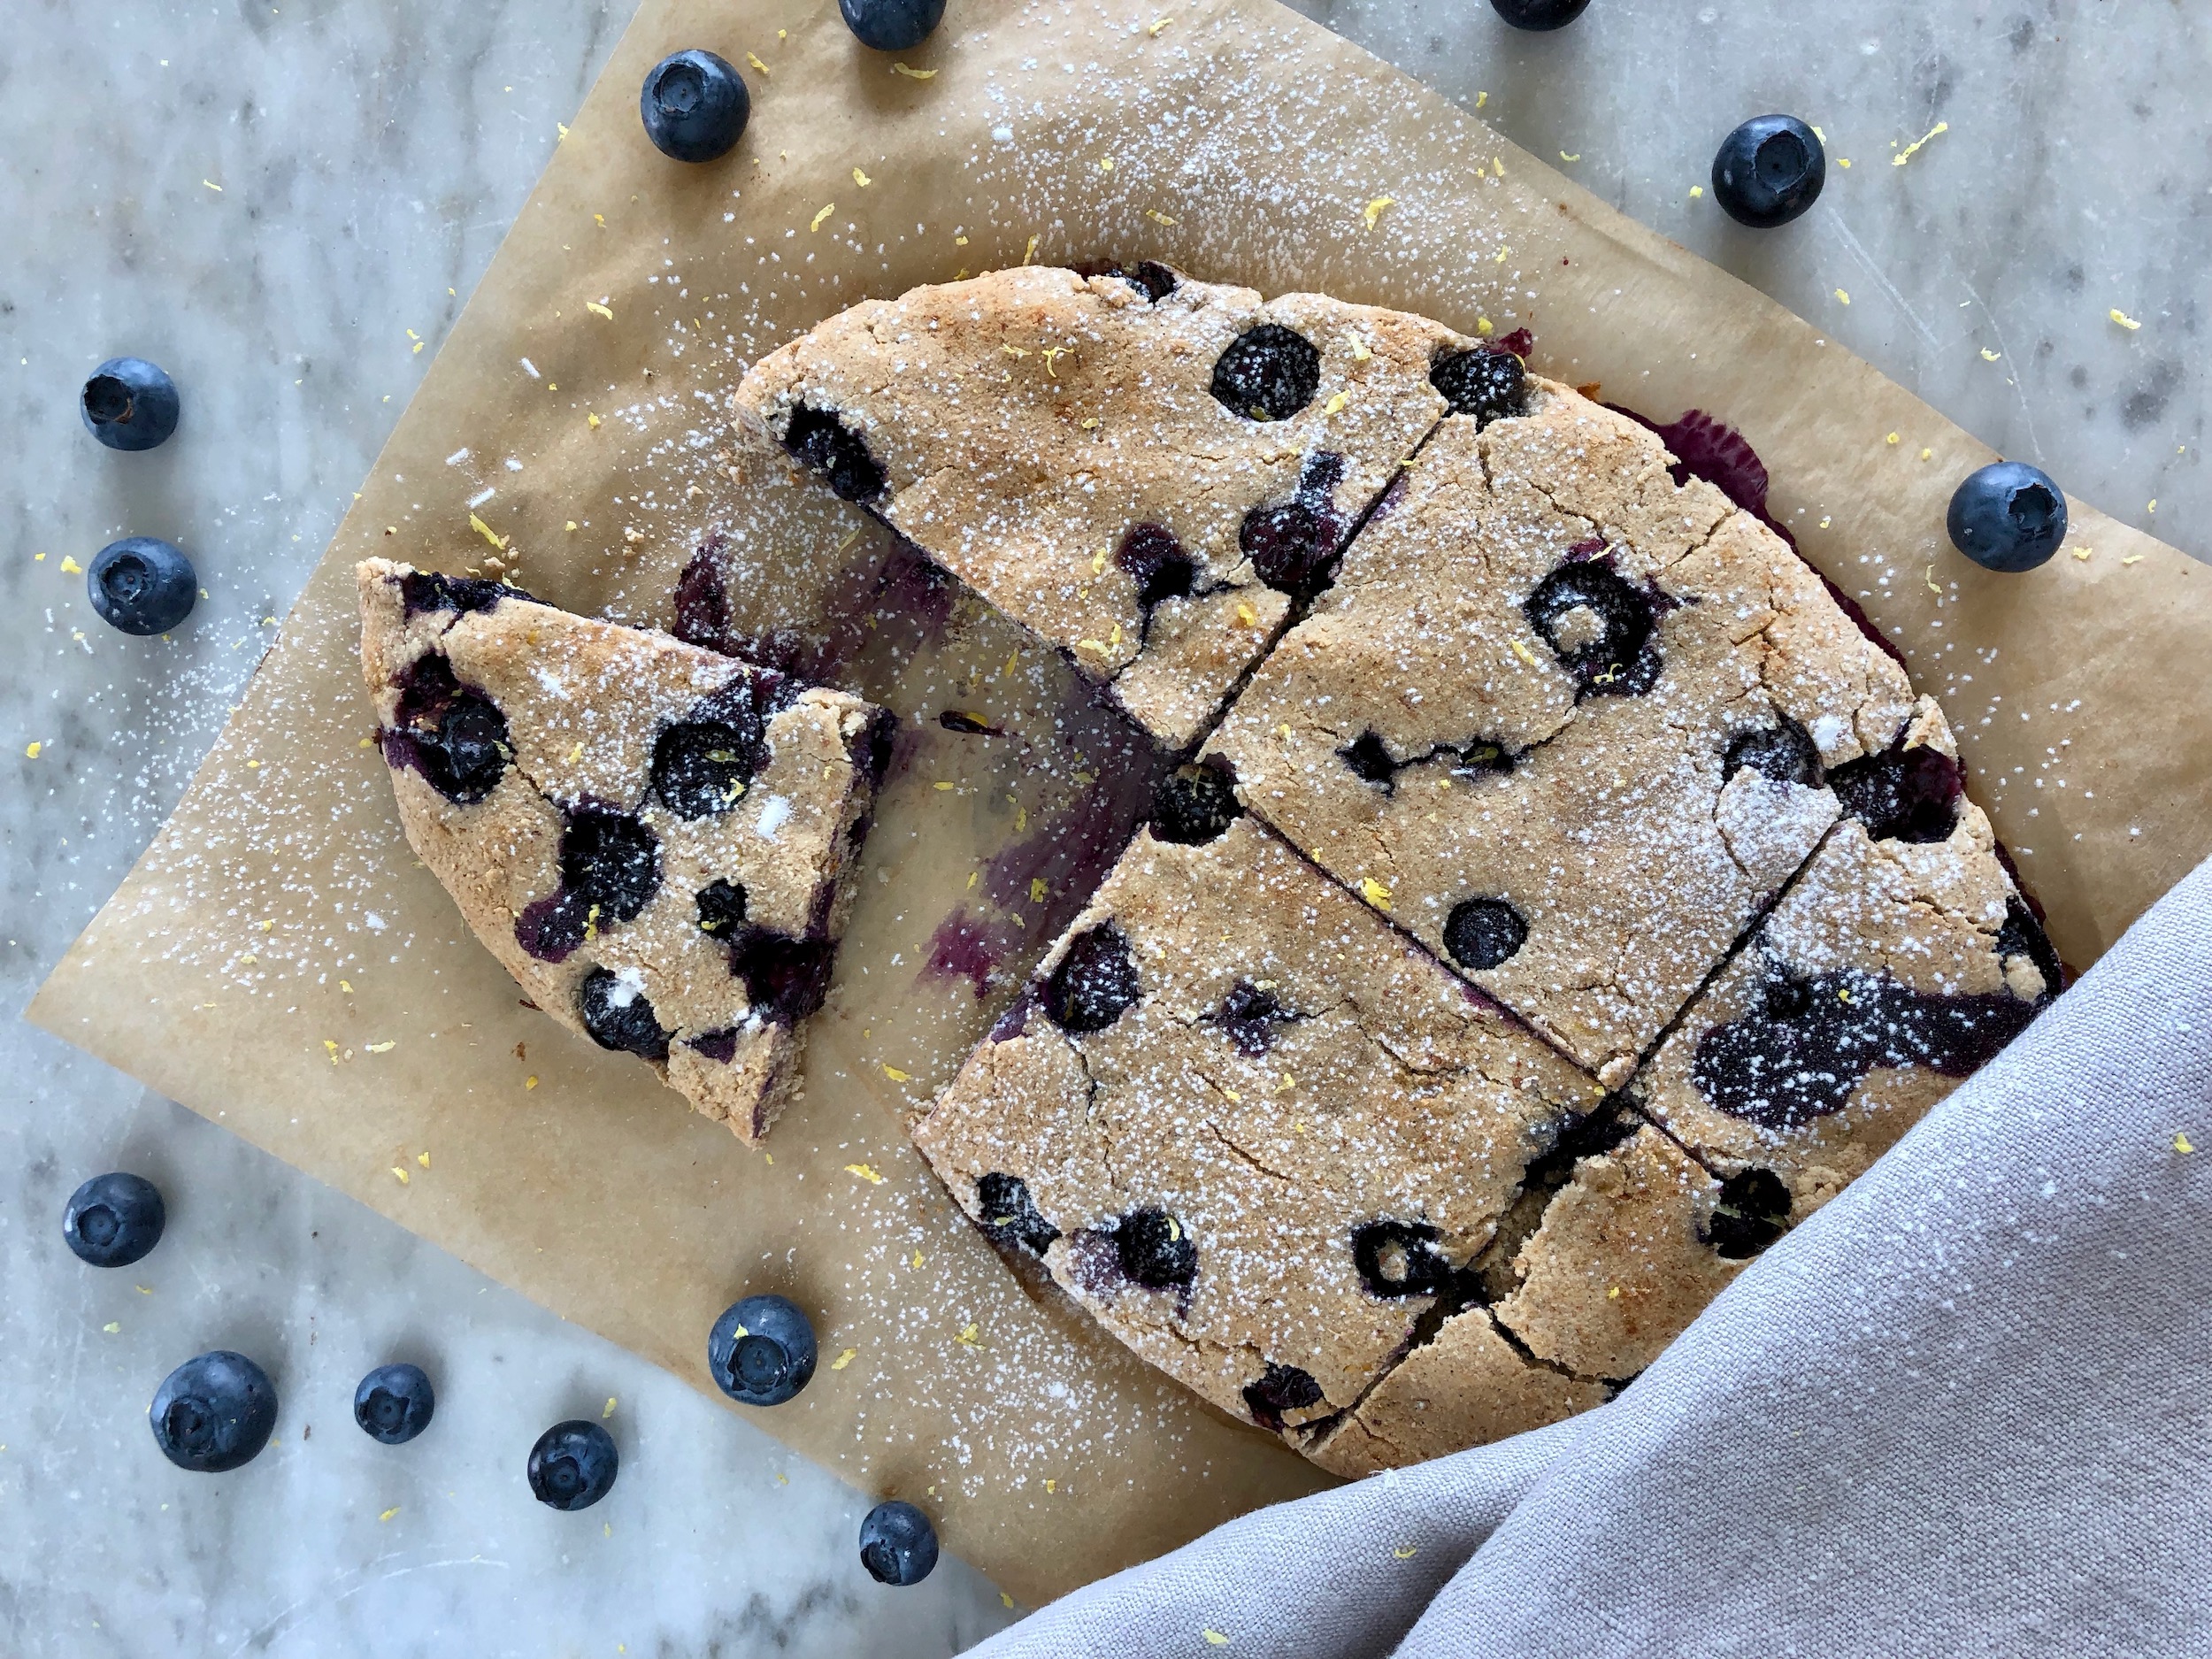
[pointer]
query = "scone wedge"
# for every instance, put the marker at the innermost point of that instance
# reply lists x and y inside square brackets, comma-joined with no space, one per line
[654,840]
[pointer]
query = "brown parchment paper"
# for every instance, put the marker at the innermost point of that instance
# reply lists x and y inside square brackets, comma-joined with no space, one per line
[362,1024]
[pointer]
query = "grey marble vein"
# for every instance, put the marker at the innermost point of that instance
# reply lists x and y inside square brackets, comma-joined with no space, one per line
[369,155]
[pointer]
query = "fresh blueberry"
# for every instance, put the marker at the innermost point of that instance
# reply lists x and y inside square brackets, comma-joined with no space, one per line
[1267,373]
[2008,517]
[1483,932]
[393,1403]
[1156,1250]
[213,1413]
[897,1543]
[141,585]
[129,403]
[1489,383]
[695,105]
[1540,15]
[1195,804]
[1095,983]
[112,1220]
[572,1466]
[761,1351]
[1769,171]
[618,1015]
[892,25]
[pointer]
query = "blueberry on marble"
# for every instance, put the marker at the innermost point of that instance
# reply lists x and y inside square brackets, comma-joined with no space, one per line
[2008,517]
[572,1466]
[819,440]
[393,1403]
[1010,1215]
[898,1545]
[1195,804]
[702,767]
[695,106]
[1599,625]
[1769,171]
[1783,753]
[1281,1389]
[1095,983]
[1268,373]
[113,1220]
[1399,1258]
[1540,15]
[1484,933]
[1489,383]
[141,585]
[1749,1213]
[213,1413]
[129,403]
[618,1015]
[761,1351]
[892,25]
[1155,1250]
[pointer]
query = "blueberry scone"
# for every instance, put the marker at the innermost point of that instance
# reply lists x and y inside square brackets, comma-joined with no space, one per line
[1560,715]
[1265,1139]
[1151,472]
[1898,963]
[653,839]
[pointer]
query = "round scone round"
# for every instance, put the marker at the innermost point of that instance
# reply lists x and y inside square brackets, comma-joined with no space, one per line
[1560,893]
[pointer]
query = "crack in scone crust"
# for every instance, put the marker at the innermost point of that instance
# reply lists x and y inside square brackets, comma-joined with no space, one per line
[1604,899]
[583,866]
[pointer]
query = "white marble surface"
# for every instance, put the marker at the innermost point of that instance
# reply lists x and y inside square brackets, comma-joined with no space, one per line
[369,155]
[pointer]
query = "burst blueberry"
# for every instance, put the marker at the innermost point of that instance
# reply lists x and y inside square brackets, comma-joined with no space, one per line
[1096,982]
[2008,517]
[1489,383]
[898,1545]
[113,1220]
[1156,1250]
[618,1015]
[892,25]
[1267,373]
[1769,171]
[129,403]
[1195,804]
[393,1403]
[572,1466]
[695,106]
[141,585]
[761,1351]
[213,1413]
